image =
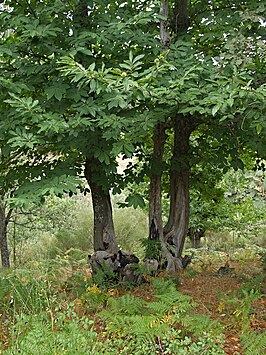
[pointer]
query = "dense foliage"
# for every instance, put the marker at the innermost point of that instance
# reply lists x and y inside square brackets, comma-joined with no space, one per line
[82,83]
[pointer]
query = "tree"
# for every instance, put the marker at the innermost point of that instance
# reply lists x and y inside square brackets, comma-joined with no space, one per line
[69,99]
[117,73]
[199,101]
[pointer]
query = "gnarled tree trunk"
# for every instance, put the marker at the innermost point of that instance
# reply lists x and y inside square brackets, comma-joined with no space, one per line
[104,234]
[155,194]
[176,229]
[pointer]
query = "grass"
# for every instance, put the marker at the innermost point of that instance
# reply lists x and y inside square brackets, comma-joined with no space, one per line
[49,303]
[48,317]
[54,307]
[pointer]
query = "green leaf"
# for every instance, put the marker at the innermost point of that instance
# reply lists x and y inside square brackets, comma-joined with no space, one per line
[135,200]
[215,109]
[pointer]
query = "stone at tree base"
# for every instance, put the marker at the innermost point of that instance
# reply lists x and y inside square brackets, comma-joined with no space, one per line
[102,258]
[152,265]
[125,258]
[186,260]
[131,276]
[122,264]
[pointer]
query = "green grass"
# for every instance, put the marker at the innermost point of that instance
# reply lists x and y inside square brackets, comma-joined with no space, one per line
[73,316]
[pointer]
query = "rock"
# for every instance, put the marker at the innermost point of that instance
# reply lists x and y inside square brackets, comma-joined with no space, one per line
[125,258]
[130,275]
[225,270]
[122,264]
[186,260]
[103,258]
[152,265]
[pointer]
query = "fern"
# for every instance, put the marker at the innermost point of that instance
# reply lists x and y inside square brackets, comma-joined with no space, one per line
[130,317]
[148,327]
[254,343]
[163,287]
[126,305]
[169,298]
[201,323]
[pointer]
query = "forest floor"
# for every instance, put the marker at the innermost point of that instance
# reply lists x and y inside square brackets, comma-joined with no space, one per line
[216,296]
[236,299]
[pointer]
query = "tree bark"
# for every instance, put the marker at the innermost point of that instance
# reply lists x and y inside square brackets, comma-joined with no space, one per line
[104,234]
[195,237]
[164,34]
[176,228]
[155,195]
[181,16]
[4,220]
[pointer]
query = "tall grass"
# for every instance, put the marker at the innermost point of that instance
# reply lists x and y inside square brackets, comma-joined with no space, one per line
[65,225]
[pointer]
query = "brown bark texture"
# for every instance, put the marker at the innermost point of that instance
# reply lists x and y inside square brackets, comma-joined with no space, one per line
[4,219]
[104,234]
[181,16]
[155,197]
[176,228]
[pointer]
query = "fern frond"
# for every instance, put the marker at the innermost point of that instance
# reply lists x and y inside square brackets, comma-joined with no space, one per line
[148,327]
[254,343]
[127,305]
[200,323]
[170,298]
[160,307]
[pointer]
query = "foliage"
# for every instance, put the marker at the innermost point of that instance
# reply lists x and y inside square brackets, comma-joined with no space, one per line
[53,302]
[254,343]
[47,335]
[152,248]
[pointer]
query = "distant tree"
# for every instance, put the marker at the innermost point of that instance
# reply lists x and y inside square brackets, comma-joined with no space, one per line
[5,215]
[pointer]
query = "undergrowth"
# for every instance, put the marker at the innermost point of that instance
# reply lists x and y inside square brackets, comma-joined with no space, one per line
[48,317]
[254,343]
[56,307]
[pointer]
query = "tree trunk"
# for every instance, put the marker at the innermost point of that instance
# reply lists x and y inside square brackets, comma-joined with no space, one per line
[176,228]
[195,237]
[155,196]
[181,16]
[4,219]
[164,34]
[104,234]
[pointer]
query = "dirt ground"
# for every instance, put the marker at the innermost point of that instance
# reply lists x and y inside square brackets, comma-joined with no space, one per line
[211,291]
